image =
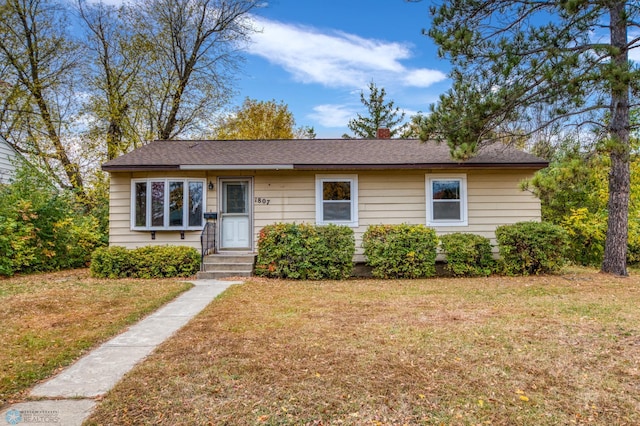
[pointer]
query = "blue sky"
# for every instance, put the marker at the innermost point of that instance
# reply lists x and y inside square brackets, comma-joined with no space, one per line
[316,56]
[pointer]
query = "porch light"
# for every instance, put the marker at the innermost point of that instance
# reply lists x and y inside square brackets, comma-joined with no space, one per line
[211,186]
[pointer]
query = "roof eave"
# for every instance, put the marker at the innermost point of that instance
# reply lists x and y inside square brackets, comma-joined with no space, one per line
[138,167]
[527,166]
[237,167]
[416,166]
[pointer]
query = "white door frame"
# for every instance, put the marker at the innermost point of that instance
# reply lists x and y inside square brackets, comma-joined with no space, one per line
[223,214]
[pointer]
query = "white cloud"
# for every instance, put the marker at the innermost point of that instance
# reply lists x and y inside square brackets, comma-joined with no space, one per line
[408,113]
[335,58]
[423,77]
[332,115]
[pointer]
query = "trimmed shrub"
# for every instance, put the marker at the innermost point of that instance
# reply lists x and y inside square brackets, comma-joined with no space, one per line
[306,252]
[400,251]
[531,247]
[145,262]
[467,255]
[111,262]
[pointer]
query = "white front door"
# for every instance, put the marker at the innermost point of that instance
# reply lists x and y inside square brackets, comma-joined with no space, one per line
[235,215]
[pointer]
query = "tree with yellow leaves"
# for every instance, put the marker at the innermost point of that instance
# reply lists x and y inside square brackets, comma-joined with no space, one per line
[266,120]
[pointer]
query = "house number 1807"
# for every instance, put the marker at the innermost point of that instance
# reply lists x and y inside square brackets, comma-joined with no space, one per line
[264,201]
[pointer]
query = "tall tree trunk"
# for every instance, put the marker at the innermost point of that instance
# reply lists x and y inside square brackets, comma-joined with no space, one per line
[169,126]
[167,131]
[70,168]
[615,250]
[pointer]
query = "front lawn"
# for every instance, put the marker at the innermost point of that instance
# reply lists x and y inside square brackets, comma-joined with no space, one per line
[501,351]
[49,320]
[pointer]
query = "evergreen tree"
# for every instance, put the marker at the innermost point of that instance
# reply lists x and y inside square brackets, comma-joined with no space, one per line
[381,115]
[512,56]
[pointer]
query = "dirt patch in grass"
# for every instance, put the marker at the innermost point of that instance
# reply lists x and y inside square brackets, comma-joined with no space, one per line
[49,320]
[500,351]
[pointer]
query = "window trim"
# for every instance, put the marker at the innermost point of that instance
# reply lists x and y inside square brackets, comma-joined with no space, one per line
[166,204]
[353,180]
[462,178]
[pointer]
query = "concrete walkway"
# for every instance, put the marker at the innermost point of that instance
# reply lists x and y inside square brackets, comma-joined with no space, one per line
[69,398]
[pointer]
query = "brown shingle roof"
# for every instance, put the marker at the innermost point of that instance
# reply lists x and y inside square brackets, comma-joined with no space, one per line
[313,154]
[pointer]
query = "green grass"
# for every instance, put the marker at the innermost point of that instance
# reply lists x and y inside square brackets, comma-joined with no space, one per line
[501,351]
[50,320]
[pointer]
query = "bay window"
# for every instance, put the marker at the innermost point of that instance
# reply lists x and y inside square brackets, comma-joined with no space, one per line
[166,204]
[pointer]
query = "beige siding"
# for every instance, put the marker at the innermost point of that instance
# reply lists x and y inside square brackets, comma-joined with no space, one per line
[385,197]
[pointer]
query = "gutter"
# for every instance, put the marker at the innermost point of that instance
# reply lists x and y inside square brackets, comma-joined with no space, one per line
[511,166]
[238,167]
[419,166]
[137,168]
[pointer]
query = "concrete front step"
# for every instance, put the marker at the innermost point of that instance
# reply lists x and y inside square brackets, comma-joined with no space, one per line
[207,275]
[230,258]
[227,265]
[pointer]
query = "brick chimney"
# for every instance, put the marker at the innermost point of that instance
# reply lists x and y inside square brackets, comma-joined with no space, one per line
[383,133]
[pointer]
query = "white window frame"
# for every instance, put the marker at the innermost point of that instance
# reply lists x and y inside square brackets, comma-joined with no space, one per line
[185,210]
[353,180]
[462,178]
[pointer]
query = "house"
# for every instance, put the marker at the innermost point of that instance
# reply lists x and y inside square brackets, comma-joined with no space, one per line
[8,160]
[160,192]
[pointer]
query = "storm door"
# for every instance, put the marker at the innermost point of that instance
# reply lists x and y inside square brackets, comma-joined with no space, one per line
[236,223]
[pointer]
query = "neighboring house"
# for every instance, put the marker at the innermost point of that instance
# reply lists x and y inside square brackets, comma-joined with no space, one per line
[8,160]
[160,191]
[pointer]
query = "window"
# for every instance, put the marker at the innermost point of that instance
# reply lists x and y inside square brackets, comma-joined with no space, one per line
[337,199]
[167,204]
[447,200]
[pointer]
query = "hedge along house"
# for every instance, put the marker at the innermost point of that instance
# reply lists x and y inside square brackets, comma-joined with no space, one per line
[160,192]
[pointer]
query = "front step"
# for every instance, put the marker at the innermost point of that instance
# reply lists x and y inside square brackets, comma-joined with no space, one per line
[226,265]
[218,275]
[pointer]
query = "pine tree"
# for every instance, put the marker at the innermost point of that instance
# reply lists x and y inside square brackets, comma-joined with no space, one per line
[512,56]
[381,115]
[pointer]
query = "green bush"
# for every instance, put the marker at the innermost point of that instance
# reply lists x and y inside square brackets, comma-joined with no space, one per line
[467,254]
[145,262]
[43,228]
[633,243]
[531,247]
[586,232]
[304,251]
[400,251]
[111,262]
